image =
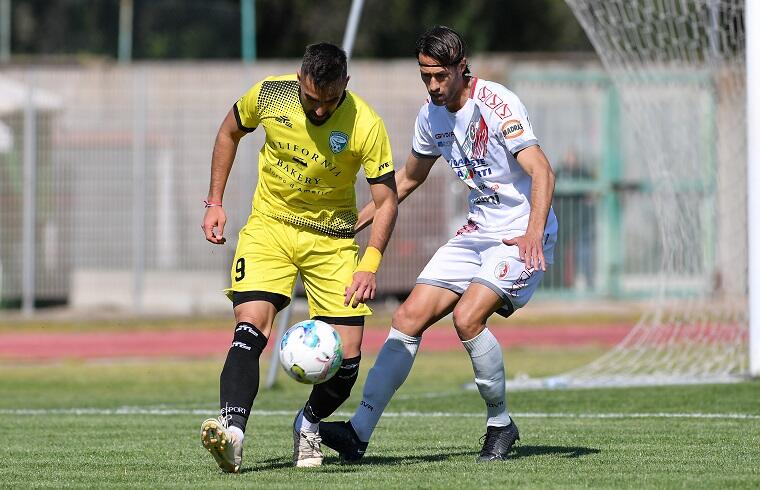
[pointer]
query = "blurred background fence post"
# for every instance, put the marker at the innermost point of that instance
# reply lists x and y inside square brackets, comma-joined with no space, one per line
[5,31]
[141,232]
[248,29]
[126,27]
[29,206]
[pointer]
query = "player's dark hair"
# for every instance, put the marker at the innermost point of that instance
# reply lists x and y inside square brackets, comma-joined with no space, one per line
[324,63]
[444,45]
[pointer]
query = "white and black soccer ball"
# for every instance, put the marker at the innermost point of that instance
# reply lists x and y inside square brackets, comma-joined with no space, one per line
[311,352]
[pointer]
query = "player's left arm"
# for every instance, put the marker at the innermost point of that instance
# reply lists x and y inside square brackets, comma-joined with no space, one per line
[533,160]
[385,199]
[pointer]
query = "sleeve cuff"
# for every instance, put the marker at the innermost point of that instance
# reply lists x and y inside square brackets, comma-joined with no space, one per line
[423,155]
[523,146]
[381,178]
[237,118]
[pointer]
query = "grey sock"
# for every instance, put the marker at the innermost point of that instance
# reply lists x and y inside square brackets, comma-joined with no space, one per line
[390,370]
[488,365]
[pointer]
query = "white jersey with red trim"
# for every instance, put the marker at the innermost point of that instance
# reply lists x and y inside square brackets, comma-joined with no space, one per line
[480,142]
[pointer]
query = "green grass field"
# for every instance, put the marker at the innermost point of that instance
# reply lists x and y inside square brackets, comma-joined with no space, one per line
[135,423]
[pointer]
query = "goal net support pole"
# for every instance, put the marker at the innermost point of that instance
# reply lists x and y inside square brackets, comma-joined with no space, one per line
[752,26]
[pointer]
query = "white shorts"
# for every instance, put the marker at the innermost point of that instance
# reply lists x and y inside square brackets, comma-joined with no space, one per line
[474,256]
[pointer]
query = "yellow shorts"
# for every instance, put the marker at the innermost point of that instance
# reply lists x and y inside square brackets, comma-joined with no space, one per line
[271,253]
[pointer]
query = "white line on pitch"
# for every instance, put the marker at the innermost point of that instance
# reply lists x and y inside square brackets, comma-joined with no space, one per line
[289,413]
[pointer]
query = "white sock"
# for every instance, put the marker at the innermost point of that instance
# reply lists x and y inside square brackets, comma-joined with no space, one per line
[390,370]
[237,432]
[303,424]
[488,364]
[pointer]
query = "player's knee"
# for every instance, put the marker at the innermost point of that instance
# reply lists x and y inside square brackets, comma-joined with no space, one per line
[351,338]
[409,319]
[467,323]
[263,324]
[247,336]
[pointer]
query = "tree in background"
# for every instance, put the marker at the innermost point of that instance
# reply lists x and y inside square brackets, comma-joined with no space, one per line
[210,29]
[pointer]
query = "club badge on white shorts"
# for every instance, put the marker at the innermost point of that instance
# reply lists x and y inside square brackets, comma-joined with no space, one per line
[502,270]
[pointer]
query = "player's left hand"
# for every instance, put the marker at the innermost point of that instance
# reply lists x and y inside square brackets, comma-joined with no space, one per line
[361,289]
[531,250]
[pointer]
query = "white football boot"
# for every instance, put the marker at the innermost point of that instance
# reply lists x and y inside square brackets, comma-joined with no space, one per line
[306,447]
[222,443]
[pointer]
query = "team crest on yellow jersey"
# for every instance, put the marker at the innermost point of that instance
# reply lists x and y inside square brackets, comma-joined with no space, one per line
[338,141]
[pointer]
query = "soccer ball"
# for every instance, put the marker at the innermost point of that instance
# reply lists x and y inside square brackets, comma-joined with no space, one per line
[311,352]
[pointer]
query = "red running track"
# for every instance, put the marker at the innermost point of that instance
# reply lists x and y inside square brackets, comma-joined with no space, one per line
[196,344]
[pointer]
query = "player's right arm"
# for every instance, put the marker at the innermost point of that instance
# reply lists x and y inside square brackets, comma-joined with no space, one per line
[225,148]
[242,119]
[411,176]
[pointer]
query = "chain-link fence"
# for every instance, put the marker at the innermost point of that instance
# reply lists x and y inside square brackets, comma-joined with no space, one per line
[103,170]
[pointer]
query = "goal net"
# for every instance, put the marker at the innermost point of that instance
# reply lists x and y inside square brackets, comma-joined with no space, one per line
[679,68]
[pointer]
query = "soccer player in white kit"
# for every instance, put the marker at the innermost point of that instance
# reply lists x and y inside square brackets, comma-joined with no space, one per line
[494,262]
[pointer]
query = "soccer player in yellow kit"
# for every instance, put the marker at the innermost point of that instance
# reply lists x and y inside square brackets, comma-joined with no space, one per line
[318,136]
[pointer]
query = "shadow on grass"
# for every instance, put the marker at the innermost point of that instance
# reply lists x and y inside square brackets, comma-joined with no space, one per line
[333,464]
[524,451]
[269,464]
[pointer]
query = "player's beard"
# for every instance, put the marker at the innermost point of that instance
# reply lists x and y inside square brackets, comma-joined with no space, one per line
[440,100]
[312,117]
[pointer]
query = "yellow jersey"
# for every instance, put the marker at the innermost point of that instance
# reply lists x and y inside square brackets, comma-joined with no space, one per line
[307,173]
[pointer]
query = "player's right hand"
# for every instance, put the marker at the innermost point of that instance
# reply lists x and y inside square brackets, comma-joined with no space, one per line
[213,225]
[531,250]
[361,290]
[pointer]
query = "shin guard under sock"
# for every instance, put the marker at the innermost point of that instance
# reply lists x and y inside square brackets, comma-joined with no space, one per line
[326,397]
[391,368]
[239,381]
[488,365]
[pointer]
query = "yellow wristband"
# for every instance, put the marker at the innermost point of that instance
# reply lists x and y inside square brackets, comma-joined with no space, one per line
[370,261]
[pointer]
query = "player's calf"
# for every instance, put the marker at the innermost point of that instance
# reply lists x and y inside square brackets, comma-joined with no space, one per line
[326,397]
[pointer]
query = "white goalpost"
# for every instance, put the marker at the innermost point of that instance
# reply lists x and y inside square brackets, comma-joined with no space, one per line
[680,66]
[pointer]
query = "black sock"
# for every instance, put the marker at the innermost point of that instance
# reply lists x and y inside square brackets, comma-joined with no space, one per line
[326,397]
[239,381]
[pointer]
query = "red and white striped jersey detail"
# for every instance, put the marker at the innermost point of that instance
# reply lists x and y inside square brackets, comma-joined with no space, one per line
[472,89]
